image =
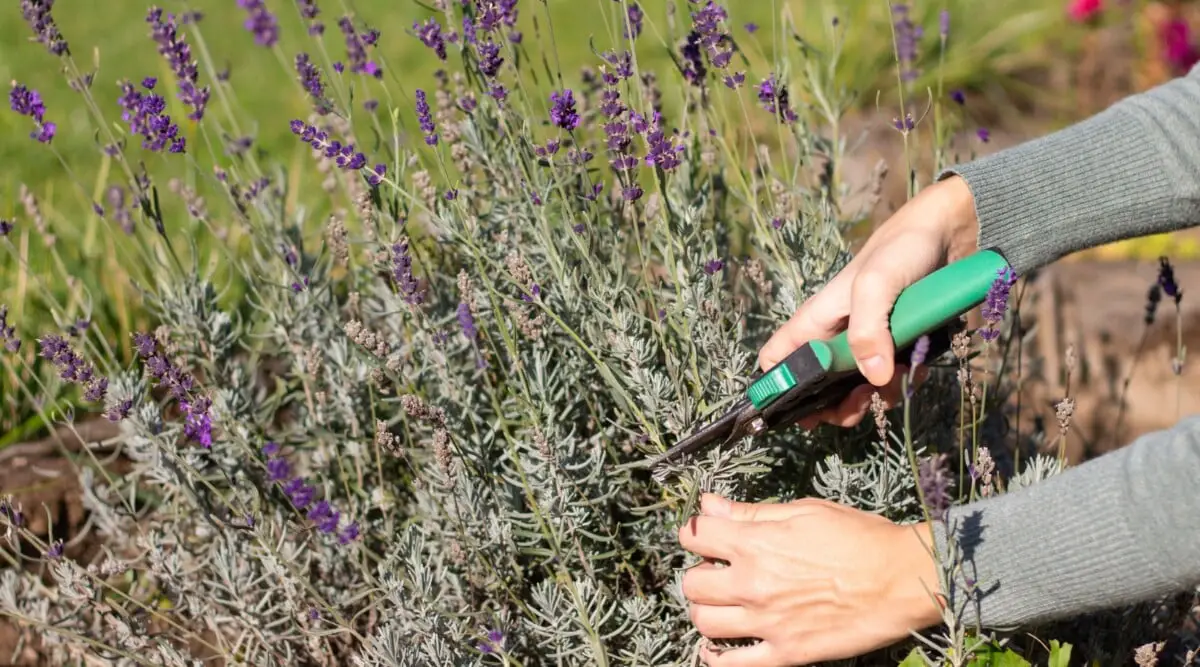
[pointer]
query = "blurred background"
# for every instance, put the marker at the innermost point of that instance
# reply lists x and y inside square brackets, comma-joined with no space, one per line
[1025,68]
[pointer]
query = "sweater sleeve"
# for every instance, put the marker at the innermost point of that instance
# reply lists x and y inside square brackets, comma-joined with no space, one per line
[1131,170]
[1118,529]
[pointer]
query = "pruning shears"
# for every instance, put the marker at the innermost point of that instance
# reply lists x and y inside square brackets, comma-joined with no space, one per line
[821,373]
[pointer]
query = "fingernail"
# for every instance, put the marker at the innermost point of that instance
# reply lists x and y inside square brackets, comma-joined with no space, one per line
[871,366]
[714,505]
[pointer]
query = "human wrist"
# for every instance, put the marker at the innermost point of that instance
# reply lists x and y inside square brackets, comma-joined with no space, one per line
[956,217]
[915,590]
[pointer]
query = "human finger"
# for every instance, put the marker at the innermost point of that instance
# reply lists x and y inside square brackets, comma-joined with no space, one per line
[714,505]
[762,654]
[822,316]
[876,286]
[707,584]
[722,622]
[710,537]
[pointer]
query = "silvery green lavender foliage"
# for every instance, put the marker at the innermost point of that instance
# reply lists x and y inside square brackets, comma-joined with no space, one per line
[472,308]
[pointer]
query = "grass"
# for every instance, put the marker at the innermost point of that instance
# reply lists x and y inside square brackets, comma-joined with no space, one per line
[991,47]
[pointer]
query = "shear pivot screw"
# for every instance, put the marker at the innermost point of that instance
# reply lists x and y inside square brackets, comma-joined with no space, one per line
[757,426]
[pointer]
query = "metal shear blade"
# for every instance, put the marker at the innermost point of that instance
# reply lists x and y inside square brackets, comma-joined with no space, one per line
[727,428]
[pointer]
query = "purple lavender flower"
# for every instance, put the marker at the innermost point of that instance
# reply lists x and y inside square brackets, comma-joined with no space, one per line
[919,352]
[376,174]
[904,124]
[958,97]
[55,551]
[774,98]
[996,303]
[6,228]
[935,481]
[299,493]
[562,110]
[466,322]
[344,155]
[402,274]
[498,92]
[278,469]
[713,265]
[493,642]
[197,422]
[261,22]
[693,68]
[944,23]
[706,24]
[8,333]
[310,78]
[310,11]
[356,48]
[490,59]
[425,119]
[72,367]
[634,25]
[178,54]
[430,34]
[145,345]
[907,37]
[663,153]
[146,115]
[494,13]
[751,27]
[349,533]
[119,410]
[271,448]
[1166,280]
[37,14]
[983,134]
[29,103]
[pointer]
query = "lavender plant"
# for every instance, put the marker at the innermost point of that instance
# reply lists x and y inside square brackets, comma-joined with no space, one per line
[460,319]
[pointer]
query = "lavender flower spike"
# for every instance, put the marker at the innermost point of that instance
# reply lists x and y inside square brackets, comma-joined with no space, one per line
[934,480]
[425,119]
[37,14]
[178,54]
[310,78]
[29,103]
[310,11]
[562,111]
[996,303]
[8,333]
[261,22]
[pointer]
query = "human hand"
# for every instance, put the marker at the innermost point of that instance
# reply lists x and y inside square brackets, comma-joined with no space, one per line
[935,227]
[812,579]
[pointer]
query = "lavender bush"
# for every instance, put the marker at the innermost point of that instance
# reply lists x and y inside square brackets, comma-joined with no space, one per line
[460,317]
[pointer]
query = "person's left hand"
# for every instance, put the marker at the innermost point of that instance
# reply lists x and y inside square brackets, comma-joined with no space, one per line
[813,580]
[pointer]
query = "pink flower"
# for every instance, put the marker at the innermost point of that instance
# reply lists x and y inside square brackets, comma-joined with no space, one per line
[1084,10]
[1177,47]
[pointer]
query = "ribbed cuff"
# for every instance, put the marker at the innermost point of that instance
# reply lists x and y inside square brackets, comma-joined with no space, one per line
[1116,530]
[1083,186]
[1131,170]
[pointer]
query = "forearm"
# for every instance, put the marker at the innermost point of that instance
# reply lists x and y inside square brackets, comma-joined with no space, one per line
[1131,170]
[1119,529]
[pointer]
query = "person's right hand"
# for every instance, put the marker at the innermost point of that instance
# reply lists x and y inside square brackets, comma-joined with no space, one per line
[935,227]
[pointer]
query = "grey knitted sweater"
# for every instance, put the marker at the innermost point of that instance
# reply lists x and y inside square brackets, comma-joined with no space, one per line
[1123,527]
